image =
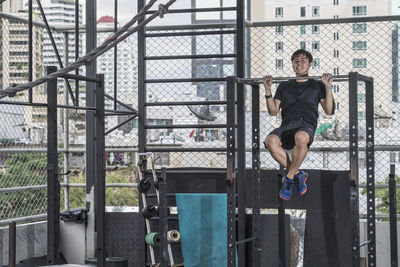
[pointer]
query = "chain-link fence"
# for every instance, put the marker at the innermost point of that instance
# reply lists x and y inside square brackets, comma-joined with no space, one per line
[367,47]
[338,47]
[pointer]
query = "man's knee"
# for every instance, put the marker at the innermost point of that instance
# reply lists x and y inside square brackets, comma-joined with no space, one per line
[302,138]
[272,141]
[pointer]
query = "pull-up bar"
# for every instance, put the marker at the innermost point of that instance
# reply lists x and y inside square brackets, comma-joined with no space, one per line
[252,81]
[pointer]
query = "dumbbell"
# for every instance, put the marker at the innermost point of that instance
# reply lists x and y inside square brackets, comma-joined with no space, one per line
[144,185]
[150,212]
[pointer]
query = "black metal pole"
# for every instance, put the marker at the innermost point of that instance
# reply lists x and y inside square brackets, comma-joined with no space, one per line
[53,184]
[241,131]
[30,48]
[256,190]
[393,217]
[163,222]
[100,174]
[281,227]
[353,142]
[141,261]
[231,179]
[370,164]
[115,55]
[12,244]
[91,8]
[77,50]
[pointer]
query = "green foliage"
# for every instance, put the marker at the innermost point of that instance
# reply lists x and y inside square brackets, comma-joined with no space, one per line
[24,169]
[382,196]
[115,196]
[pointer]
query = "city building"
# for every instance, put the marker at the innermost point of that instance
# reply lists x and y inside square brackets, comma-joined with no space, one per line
[337,48]
[58,13]
[14,71]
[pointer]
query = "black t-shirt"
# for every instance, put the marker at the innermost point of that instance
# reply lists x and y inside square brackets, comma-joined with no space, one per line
[299,100]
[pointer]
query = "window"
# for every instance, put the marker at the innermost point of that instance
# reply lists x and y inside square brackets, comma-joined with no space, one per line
[315,11]
[316,64]
[359,10]
[335,2]
[359,45]
[359,63]
[18,74]
[279,30]
[315,46]
[336,88]
[18,42]
[315,29]
[302,45]
[335,71]
[279,64]
[279,12]
[18,32]
[302,11]
[359,27]
[335,36]
[361,98]
[335,53]
[163,159]
[279,47]
[303,29]
[335,16]
[337,105]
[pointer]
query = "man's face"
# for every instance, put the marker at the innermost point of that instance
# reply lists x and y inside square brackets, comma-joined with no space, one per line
[301,64]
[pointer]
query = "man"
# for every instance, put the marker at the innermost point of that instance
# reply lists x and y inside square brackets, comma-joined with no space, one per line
[298,99]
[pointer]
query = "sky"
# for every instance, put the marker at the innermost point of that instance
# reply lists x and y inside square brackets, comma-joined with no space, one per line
[127,9]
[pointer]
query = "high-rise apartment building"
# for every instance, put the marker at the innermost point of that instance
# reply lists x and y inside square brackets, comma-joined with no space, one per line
[58,12]
[126,80]
[11,6]
[14,70]
[337,48]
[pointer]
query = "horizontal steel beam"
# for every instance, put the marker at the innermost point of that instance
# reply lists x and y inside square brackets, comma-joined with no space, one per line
[252,81]
[325,21]
[185,149]
[190,171]
[184,126]
[188,80]
[169,34]
[38,217]
[190,57]
[196,10]
[187,103]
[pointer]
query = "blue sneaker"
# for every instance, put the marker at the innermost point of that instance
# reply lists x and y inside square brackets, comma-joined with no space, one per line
[300,180]
[286,191]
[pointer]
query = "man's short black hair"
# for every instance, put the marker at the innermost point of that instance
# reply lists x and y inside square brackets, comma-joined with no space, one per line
[302,51]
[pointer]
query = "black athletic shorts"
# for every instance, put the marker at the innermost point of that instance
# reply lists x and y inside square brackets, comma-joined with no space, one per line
[287,131]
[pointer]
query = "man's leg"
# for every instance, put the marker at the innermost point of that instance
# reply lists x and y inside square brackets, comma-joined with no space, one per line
[277,152]
[299,152]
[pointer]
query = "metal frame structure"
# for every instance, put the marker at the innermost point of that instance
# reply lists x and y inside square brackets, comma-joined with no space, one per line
[235,142]
[233,96]
[76,31]
[353,78]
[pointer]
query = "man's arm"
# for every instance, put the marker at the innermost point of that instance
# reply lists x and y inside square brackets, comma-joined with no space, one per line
[273,104]
[328,103]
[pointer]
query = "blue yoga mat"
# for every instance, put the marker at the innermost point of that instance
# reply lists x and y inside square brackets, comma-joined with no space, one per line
[202,224]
